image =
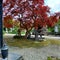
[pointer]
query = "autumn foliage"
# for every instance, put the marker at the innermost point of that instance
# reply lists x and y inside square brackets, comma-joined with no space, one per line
[8,22]
[30,13]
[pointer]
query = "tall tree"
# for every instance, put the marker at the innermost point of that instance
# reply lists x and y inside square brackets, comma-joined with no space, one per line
[30,13]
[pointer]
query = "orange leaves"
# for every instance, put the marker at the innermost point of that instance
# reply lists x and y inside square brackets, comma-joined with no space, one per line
[52,20]
[8,21]
[44,9]
[50,23]
[7,17]
[39,22]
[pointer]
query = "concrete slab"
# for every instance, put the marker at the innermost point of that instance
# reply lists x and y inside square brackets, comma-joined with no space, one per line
[13,56]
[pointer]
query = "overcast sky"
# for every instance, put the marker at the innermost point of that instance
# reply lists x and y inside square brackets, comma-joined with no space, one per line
[54,5]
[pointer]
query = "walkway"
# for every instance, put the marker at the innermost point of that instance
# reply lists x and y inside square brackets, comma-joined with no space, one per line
[49,37]
[37,53]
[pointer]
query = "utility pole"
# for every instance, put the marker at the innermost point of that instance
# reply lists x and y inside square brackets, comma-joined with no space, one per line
[1,31]
[4,49]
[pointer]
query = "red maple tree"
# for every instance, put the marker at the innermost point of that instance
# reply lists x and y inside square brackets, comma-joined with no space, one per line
[30,13]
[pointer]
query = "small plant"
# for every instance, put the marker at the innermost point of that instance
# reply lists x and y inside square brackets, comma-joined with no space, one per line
[49,58]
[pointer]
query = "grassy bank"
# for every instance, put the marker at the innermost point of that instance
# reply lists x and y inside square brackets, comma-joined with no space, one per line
[30,43]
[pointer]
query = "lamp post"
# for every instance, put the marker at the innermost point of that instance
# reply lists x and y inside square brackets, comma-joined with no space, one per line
[1,33]
[4,49]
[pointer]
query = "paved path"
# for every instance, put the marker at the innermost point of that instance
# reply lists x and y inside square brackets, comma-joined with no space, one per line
[50,37]
[37,53]
[12,56]
[40,53]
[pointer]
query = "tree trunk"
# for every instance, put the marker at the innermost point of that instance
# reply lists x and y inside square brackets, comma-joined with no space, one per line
[6,30]
[36,34]
[19,32]
[27,35]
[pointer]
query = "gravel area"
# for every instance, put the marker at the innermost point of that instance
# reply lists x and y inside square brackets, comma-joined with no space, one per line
[37,53]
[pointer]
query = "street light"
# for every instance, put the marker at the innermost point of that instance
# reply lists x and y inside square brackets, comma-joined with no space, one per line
[4,49]
[1,35]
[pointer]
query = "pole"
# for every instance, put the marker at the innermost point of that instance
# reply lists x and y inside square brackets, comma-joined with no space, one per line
[4,49]
[1,31]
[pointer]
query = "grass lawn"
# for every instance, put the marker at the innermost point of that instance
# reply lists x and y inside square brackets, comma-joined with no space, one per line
[50,58]
[25,43]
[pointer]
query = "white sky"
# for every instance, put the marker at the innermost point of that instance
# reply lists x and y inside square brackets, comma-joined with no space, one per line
[54,5]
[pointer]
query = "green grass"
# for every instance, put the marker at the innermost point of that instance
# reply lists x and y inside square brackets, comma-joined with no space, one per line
[50,58]
[14,31]
[54,42]
[25,43]
[30,43]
